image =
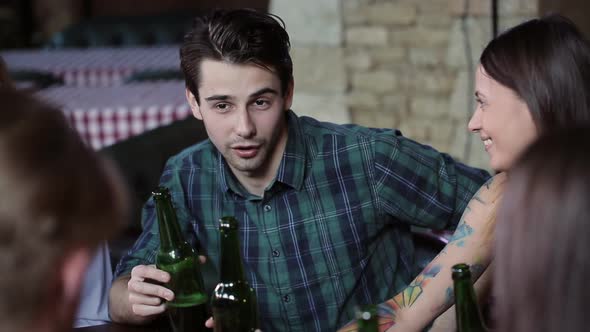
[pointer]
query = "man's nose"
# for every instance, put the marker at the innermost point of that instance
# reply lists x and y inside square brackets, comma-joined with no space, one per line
[244,125]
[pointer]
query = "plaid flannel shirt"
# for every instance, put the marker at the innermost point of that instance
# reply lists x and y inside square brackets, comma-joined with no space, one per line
[333,228]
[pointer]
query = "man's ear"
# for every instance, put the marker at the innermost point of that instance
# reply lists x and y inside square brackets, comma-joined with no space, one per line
[192,101]
[289,94]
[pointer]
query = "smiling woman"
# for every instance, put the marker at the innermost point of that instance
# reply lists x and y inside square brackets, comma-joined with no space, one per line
[502,119]
[532,79]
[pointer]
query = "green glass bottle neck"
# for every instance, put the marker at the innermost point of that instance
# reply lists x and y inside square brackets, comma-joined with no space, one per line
[367,318]
[170,233]
[466,306]
[232,266]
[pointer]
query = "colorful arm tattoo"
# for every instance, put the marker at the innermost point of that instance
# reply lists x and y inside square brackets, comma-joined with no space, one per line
[449,300]
[415,288]
[462,232]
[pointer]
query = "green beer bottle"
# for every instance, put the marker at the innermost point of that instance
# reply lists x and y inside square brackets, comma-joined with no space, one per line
[366,318]
[233,301]
[188,311]
[467,311]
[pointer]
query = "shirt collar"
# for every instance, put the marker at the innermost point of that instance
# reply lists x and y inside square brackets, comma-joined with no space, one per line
[291,169]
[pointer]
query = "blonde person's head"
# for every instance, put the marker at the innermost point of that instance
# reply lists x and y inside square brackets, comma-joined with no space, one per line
[58,198]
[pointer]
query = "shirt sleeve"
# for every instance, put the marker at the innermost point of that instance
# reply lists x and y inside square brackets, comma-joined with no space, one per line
[144,251]
[93,307]
[421,186]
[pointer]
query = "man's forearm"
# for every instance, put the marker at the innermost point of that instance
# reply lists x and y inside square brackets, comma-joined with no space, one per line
[120,309]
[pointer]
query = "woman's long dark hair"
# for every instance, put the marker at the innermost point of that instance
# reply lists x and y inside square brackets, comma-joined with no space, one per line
[546,62]
[543,237]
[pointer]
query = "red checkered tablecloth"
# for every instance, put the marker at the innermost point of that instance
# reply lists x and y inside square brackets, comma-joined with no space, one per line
[106,115]
[94,66]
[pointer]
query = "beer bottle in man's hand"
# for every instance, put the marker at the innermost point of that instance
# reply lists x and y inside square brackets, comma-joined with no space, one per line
[188,310]
[233,301]
[466,309]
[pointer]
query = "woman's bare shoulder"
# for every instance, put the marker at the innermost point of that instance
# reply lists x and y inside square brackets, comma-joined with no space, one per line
[493,188]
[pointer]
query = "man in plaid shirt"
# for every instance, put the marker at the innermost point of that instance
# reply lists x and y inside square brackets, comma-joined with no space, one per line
[325,209]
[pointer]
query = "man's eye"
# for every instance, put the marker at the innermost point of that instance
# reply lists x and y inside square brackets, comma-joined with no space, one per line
[221,106]
[262,104]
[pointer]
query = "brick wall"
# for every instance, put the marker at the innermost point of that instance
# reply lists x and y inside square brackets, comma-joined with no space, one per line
[403,63]
[321,78]
[408,67]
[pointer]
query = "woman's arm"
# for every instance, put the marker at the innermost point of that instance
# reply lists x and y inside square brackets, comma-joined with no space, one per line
[431,292]
[447,321]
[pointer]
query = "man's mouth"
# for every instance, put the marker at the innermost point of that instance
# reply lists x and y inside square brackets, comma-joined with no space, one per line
[246,151]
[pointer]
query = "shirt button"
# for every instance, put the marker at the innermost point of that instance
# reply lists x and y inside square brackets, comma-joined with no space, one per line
[267,208]
[286,298]
[276,253]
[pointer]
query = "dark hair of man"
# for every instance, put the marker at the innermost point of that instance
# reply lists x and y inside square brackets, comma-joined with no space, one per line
[546,62]
[542,237]
[241,36]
